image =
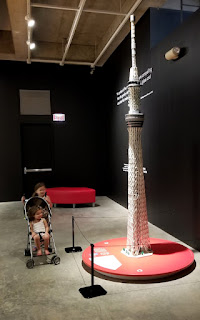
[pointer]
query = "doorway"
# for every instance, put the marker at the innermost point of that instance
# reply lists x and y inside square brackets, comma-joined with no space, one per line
[37,155]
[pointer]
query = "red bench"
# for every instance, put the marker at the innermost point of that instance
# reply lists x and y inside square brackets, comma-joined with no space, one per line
[71,195]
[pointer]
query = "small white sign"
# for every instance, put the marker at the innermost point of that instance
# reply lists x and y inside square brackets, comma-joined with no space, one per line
[58,117]
[108,262]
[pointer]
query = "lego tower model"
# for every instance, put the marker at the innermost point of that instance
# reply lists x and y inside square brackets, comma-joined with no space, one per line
[138,243]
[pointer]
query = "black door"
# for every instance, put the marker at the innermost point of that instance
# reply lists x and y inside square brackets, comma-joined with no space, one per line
[37,155]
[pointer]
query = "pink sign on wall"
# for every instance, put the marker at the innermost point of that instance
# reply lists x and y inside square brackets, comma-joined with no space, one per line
[58,117]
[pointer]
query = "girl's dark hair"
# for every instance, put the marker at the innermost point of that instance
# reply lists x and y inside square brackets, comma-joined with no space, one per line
[37,186]
[32,211]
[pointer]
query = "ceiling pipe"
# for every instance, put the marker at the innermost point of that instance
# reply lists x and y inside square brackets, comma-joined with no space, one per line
[133,8]
[73,29]
[47,6]
[79,63]
[104,12]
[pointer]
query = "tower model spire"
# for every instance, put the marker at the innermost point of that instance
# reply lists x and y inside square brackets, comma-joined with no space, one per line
[138,242]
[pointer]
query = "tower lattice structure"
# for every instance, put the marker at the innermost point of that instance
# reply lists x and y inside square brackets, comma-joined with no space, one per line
[137,227]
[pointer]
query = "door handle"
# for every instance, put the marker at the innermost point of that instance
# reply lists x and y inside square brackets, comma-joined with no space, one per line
[36,170]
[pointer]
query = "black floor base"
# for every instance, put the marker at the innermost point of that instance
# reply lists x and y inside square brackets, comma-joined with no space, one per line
[73,249]
[92,291]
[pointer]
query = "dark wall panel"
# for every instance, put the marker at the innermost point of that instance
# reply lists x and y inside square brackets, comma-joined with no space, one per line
[78,143]
[10,160]
[173,183]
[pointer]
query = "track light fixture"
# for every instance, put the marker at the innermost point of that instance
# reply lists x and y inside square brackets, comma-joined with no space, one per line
[31,45]
[30,24]
[92,70]
[30,21]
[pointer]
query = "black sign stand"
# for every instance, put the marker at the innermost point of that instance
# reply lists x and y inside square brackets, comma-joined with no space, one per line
[94,290]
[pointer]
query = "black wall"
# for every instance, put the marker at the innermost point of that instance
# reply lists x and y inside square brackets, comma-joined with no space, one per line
[171,139]
[78,144]
[174,182]
[10,163]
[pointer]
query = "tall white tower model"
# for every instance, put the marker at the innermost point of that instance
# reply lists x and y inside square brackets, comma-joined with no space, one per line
[138,242]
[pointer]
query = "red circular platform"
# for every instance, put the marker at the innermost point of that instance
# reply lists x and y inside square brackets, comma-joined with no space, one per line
[168,258]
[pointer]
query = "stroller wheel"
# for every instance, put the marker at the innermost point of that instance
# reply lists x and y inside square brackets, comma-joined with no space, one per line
[30,264]
[27,252]
[55,260]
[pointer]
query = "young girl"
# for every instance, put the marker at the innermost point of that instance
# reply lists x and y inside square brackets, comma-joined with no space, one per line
[40,191]
[39,229]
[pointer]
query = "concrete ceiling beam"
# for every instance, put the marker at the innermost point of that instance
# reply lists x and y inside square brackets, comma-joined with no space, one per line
[73,30]
[17,13]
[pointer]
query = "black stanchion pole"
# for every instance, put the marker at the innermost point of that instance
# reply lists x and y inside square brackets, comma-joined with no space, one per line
[93,290]
[73,231]
[92,264]
[73,248]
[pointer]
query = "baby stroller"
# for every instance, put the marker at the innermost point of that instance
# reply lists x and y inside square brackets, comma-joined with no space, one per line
[29,251]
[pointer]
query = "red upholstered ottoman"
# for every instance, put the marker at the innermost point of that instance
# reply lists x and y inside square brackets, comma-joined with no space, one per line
[71,195]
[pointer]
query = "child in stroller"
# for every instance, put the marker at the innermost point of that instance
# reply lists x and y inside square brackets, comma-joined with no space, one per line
[39,229]
[38,215]
[39,191]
